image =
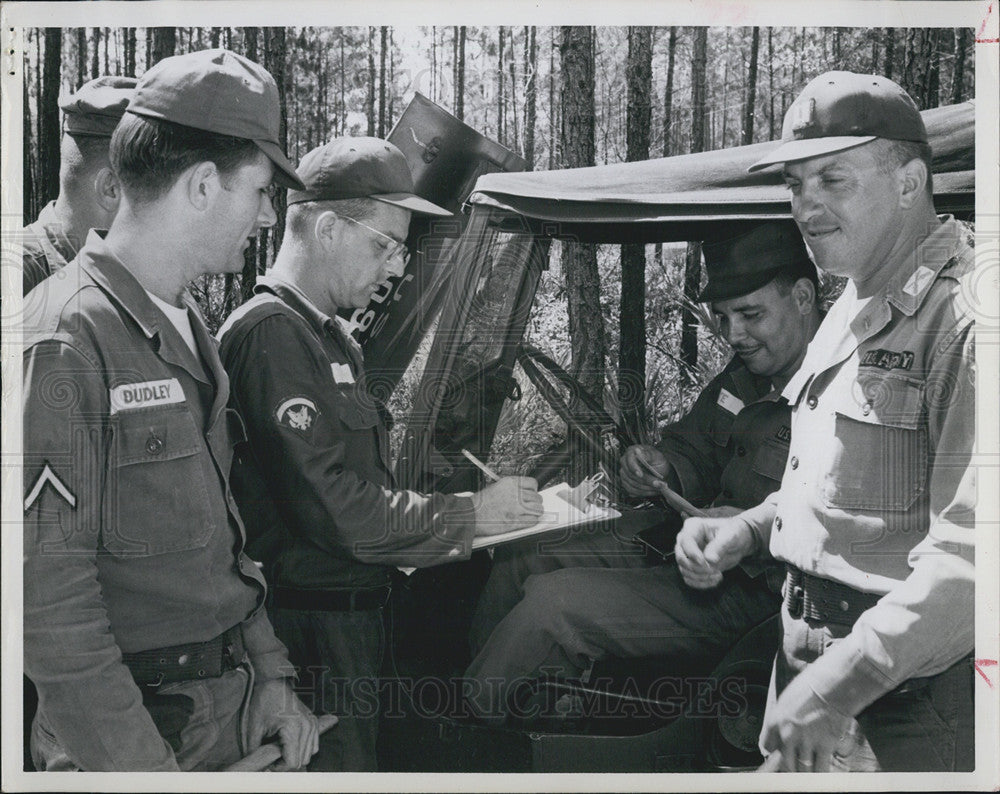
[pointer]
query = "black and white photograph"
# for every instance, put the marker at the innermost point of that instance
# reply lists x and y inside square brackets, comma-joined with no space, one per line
[537,398]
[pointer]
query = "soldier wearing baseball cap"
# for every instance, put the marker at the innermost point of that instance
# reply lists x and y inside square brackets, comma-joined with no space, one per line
[88,190]
[144,625]
[875,518]
[338,522]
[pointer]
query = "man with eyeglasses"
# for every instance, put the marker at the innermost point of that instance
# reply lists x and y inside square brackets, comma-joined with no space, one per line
[330,526]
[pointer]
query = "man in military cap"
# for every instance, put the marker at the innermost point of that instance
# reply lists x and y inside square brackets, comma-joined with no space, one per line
[320,440]
[88,189]
[875,516]
[144,627]
[596,595]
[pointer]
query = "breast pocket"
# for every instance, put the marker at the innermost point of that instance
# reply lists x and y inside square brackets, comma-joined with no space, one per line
[156,498]
[769,461]
[360,420]
[880,450]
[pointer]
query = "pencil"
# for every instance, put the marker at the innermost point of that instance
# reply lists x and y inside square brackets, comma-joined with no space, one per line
[491,475]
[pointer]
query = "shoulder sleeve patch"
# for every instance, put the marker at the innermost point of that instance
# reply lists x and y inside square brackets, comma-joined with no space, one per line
[297,413]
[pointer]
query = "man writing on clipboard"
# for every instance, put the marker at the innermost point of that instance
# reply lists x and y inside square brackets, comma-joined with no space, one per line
[563,606]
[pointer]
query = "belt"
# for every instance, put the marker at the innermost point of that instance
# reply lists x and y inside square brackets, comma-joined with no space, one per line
[188,662]
[331,600]
[814,598]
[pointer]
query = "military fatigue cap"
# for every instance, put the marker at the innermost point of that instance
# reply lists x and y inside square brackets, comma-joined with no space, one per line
[740,265]
[841,110]
[97,106]
[362,167]
[217,91]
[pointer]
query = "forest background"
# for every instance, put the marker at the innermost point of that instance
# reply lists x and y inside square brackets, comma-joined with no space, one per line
[558,96]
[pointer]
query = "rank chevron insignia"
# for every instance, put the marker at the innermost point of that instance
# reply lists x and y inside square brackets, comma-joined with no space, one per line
[48,477]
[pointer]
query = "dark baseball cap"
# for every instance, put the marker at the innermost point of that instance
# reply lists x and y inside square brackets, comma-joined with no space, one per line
[97,106]
[351,168]
[217,91]
[840,110]
[740,265]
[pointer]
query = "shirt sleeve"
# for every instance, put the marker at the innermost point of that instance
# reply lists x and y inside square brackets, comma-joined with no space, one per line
[267,653]
[926,623]
[696,458]
[86,693]
[324,473]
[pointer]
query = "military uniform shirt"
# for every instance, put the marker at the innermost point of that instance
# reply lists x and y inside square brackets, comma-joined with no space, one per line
[46,248]
[878,492]
[131,536]
[322,448]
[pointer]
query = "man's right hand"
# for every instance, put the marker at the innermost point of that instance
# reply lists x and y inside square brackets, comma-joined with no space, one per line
[706,547]
[635,476]
[508,504]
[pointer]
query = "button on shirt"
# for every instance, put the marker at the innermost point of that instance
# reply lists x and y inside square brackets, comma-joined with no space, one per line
[883,495]
[332,518]
[131,541]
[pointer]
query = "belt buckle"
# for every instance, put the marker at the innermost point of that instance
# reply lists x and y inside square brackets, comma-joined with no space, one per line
[796,600]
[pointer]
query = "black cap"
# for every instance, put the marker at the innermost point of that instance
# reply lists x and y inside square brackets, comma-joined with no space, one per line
[740,265]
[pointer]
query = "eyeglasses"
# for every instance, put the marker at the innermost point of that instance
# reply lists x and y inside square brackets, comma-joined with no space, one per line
[393,250]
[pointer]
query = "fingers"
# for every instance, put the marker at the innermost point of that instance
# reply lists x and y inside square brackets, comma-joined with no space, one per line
[299,738]
[636,469]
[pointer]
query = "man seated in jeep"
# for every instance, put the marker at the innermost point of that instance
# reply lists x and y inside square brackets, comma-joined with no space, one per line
[558,608]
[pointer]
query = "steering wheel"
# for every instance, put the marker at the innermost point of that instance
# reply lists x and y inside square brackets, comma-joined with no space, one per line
[585,417]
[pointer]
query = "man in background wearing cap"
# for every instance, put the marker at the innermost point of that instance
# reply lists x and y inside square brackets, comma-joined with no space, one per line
[875,516]
[591,597]
[321,444]
[144,627]
[88,189]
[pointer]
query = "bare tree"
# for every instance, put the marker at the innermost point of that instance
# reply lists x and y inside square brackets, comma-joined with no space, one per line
[583,286]
[81,56]
[370,101]
[459,72]
[383,45]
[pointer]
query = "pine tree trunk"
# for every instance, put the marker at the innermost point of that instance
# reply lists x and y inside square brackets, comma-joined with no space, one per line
[748,113]
[95,58]
[248,277]
[275,61]
[889,47]
[460,75]
[958,75]
[692,265]
[383,45]
[919,72]
[48,112]
[530,94]
[81,56]
[164,43]
[583,288]
[632,310]
[130,52]
[513,91]
[29,201]
[770,83]
[390,112]
[370,100]
[668,92]
[553,111]
[500,82]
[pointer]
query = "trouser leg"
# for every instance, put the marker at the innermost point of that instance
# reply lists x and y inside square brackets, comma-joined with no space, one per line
[572,617]
[200,720]
[583,546]
[338,655]
[928,726]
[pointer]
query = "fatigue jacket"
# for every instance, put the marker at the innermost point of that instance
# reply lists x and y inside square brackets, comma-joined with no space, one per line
[46,248]
[730,448]
[131,536]
[322,447]
[879,491]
